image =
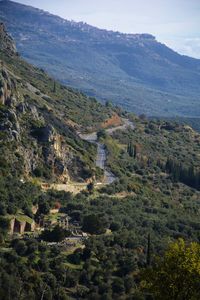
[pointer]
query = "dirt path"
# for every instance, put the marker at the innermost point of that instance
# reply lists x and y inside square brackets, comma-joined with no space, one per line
[127,124]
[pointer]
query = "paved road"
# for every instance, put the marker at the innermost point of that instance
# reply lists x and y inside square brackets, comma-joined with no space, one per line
[109,177]
[101,156]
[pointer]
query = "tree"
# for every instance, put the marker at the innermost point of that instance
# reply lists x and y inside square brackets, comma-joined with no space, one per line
[177,275]
[20,247]
[93,224]
[101,134]
[90,187]
[11,209]
[118,285]
[2,209]
[55,235]
[44,207]
[149,250]
[4,225]
[108,104]
[131,149]
[54,87]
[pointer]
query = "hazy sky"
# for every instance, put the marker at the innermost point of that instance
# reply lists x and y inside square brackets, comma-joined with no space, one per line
[174,22]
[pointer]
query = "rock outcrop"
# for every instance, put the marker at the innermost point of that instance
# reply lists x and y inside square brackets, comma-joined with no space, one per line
[44,149]
[37,135]
[5,87]
[6,42]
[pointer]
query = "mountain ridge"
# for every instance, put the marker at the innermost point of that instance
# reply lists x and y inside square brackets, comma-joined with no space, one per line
[39,122]
[97,244]
[133,70]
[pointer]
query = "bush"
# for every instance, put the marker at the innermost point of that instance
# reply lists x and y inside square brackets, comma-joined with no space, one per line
[93,224]
[56,235]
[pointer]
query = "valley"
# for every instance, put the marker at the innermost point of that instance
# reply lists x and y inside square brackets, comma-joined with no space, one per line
[96,202]
[134,71]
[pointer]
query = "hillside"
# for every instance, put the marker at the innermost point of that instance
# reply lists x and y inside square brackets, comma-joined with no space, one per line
[135,71]
[103,242]
[193,122]
[39,122]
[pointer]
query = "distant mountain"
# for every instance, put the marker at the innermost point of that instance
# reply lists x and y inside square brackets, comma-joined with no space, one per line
[133,70]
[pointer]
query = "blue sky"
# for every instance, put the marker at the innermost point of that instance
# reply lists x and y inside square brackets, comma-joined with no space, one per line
[175,23]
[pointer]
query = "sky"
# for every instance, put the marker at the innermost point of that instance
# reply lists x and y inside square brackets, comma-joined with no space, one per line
[175,23]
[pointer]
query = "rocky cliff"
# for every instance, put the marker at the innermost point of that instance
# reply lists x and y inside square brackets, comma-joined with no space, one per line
[6,42]
[37,142]
[36,113]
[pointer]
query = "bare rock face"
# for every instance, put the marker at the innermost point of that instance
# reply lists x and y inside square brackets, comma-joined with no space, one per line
[8,91]
[5,87]
[6,42]
[21,107]
[30,160]
[38,147]
[44,147]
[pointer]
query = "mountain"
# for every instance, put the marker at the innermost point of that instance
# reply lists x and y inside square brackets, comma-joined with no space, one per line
[133,70]
[39,120]
[96,244]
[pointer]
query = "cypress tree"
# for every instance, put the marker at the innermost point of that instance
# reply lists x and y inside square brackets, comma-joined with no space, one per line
[130,149]
[54,87]
[135,151]
[149,250]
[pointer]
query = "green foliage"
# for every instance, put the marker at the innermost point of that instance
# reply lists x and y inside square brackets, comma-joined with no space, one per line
[177,274]
[90,187]
[17,195]
[43,206]
[54,87]
[129,221]
[182,173]
[93,224]
[4,225]
[193,122]
[56,235]
[101,134]
[131,149]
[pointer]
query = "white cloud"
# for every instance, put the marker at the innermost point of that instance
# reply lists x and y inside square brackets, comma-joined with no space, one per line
[186,46]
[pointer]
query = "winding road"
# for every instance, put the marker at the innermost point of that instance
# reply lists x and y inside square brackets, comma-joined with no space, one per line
[109,177]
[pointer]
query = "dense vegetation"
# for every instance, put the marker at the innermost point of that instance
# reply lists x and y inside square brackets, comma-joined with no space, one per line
[193,122]
[39,120]
[110,264]
[120,217]
[154,201]
[183,283]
